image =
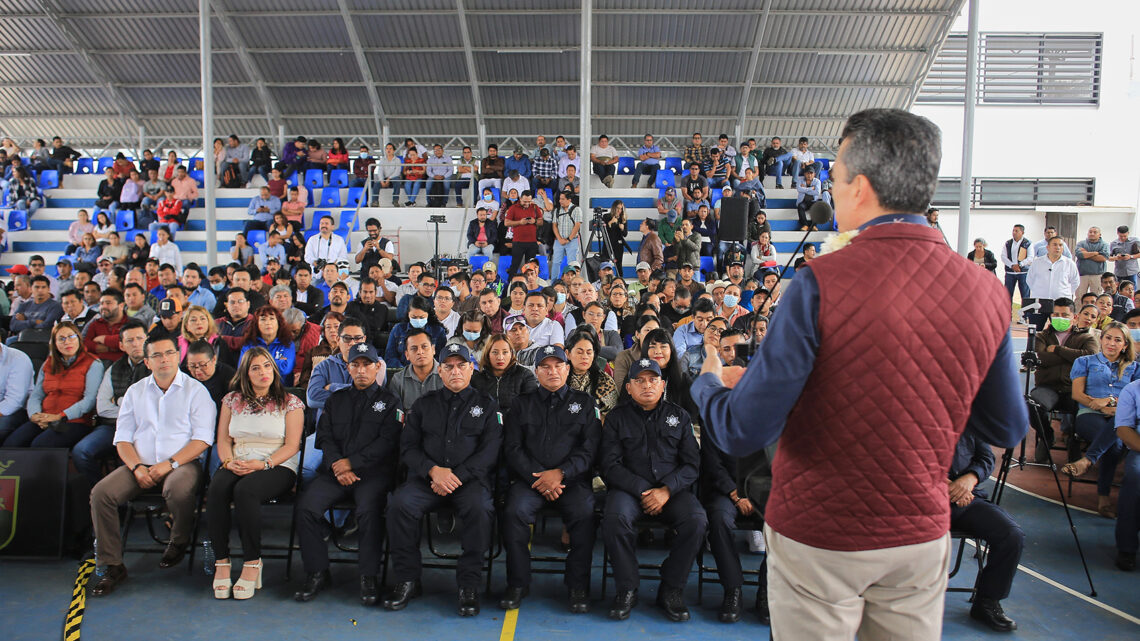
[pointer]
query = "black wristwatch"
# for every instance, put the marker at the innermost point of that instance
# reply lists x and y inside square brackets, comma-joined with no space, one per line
[137,466]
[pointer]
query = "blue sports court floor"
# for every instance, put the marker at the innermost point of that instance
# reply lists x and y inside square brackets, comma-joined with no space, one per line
[1049,601]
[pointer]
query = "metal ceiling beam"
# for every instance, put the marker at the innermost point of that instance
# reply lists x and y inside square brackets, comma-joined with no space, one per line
[472,76]
[753,64]
[943,33]
[272,110]
[378,114]
[311,13]
[82,48]
[542,83]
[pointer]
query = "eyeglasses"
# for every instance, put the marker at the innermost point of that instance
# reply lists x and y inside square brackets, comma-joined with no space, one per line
[197,366]
[66,338]
[352,338]
[167,354]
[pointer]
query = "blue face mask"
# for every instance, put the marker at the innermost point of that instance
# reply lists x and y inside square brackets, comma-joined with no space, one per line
[418,323]
[217,286]
[559,298]
[487,197]
[364,156]
[731,300]
[471,336]
[342,272]
[1135,332]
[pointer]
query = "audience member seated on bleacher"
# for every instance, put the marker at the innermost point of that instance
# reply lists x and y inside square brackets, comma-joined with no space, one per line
[261,209]
[1097,382]
[317,158]
[696,152]
[762,254]
[747,158]
[89,453]
[166,421]
[108,192]
[236,157]
[603,160]
[751,186]
[1121,305]
[103,228]
[337,157]
[543,330]
[75,231]
[803,158]
[23,194]
[694,188]
[648,159]
[169,213]
[570,182]
[136,304]
[147,163]
[570,158]
[717,169]
[293,157]
[669,203]
[198,325]
[651,250]
[186,190]
[445,310]
[268,329]
[122,166]
[325,247]
[294,207]
[165,251]
[61,405]
[515,181]
[131,193]
[808,191]
[17,376]
[420,315]
[170,167]
[338,297]
[39,155]
[260,160]
[776,161]
[439,170]
[544,170]
[360,169]
[692,333]
[75,311]
[271,249]
[413,176]
[693,358]
[333,273]
[387,174]
[491,172]
[260,428]
[241,252]
[482,234]
[88,251]
[62,157]
[101,335]
[730,307]
[197,292]
[40,312]
[687,243]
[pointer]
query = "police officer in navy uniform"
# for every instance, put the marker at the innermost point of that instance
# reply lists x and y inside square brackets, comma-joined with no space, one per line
[550,445]
[359,434]
[650,461]
[450,444]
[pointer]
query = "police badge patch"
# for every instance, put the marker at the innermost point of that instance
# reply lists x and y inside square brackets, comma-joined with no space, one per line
[574,408]
[476,412]
[379,406]
[644,362]
[672,421]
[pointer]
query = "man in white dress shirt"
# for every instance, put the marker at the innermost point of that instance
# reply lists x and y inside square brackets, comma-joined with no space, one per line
[1053,276]
[325,247]
[166,421]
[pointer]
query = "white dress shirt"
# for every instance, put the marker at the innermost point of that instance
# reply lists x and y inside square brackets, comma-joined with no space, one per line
[167,254]
[329,249]
[159,423]
[1053,280]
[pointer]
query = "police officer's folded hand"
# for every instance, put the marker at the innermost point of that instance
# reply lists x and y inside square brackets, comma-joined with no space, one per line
[347,478]
[443,480]
[340,466]
[549,484]
[652,501]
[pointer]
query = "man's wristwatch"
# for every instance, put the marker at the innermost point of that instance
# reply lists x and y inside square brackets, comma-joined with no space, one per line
[173,464]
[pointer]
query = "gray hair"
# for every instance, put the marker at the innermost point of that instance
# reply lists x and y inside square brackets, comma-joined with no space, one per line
[293,316]
[898,152]
[982,241]
[276,289]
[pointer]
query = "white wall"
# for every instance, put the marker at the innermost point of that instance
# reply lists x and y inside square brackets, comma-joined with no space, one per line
[1101,141]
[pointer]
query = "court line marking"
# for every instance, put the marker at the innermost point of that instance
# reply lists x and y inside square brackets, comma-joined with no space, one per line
[1080,595]
[1049,500]
[510,619]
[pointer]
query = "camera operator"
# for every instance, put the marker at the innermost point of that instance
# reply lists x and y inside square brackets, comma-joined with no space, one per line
[1057,346]
[373,248]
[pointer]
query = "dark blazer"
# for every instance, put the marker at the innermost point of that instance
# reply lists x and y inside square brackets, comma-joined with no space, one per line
[473,231]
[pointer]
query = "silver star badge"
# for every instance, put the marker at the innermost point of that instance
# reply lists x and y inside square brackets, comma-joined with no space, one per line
[362,348]
[549,349]
[574,408]
[672,421]
[644,362]
[476,412]
[379,406]
[453,349]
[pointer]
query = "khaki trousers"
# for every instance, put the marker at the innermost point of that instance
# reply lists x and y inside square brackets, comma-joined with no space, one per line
[120,486]
[879,595]
[1090,283]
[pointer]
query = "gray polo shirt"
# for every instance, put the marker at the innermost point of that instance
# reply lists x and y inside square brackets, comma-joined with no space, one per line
[1089,267]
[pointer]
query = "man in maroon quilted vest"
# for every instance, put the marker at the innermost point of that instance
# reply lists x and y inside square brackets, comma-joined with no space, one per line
[883,351]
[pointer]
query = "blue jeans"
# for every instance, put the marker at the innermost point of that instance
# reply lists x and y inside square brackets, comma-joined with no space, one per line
[89,452]
[9,423]
[187,205]
[1128,506]
[412,189]
[1104,448]
[487,251]
[433,180]
[817,165]
[260,170]
[29,206]
[1016,279]
[457,185]
[648,169]
[780,166]
[569,251]
[173,227]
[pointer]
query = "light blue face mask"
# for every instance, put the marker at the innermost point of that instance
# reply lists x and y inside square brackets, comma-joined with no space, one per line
[418,323]
[1135,332]
[217,286]
[365,156]
[471,336]
[487,197]
[342,272]
[731,300]
[559,298]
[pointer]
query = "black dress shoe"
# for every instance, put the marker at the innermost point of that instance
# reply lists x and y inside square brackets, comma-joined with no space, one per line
[989,611]
[579,600]
[672,602]
[172,556]
[401,593]
[314,583]
[731,607]
[623,604]
[369,590]
[1126,561]
[468,602]
[112,577]
[762,605]
[512,598]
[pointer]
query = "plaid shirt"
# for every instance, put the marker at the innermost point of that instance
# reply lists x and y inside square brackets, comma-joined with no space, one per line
[540,168]
[565,221]
[696,154]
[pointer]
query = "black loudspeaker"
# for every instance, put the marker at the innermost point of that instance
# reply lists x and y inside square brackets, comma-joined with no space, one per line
[733,220]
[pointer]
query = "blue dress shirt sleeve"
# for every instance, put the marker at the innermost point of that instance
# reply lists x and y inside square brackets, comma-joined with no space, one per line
[998,415]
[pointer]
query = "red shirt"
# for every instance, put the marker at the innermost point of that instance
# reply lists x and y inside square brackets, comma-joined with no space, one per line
[525,233]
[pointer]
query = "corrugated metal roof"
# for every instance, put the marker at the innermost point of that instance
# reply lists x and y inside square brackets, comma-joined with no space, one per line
[512,31]
[411,31]
[816,68]
[43,69]
[692,31]
[35,34]
[317,66]
[428,101]
[412,66]
[286,31]
[526,67]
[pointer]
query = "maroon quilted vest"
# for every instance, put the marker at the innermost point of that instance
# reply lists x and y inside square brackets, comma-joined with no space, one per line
[908,331]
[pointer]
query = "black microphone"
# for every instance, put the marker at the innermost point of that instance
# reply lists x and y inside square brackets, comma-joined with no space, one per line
[820,213]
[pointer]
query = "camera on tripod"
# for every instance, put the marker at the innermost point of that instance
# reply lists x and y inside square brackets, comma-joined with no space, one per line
[601,218]
[1030,361]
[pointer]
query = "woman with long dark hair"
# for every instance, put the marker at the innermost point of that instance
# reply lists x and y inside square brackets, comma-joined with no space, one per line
[62,404]
[587,371]
[269,330]
[472,332]
[259,438]
[500,375]
[617,229]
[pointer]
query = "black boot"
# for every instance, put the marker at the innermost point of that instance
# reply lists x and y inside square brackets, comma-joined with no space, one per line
[762,605]
[579,601]
[672,601]
[989,611]
[1126,561]
[512,598]
[401,593]
[369,590]
[731,606]
[623,604]
[314,583]
[468,602]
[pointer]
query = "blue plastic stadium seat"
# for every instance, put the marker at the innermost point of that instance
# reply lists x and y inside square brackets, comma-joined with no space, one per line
[315,225]
[677,165]
[543,267]
[477,262]
[708,264]
[85,165]
[665,179]
[715,195]
[355,195]
[199,177]
[347,220]
[104,163]
[49,179]
[17,220]
[255,237]
[294,179]
[194,163]
[338,178]
[309,234]
[549,193]
[495,193]
[330,197]
[625,165]
[314,178]
[504,265]
[124,220]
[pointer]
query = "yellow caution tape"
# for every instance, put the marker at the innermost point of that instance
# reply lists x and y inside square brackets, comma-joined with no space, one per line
[78,601]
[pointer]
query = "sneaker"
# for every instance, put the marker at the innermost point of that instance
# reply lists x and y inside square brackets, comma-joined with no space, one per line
[756,543]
